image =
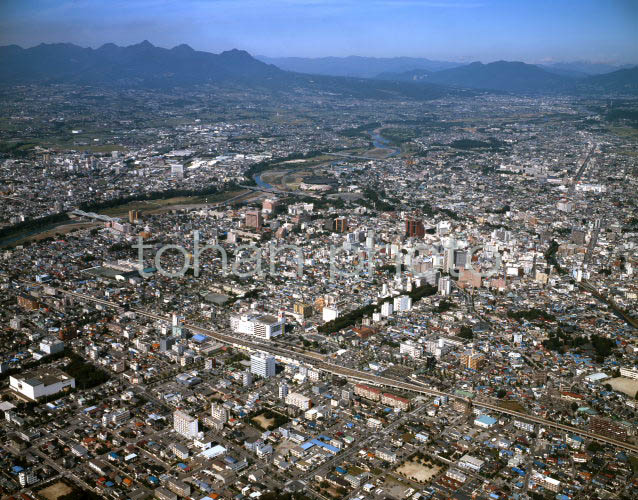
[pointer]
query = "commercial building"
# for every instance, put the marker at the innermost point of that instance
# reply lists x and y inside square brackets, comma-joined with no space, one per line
[270,205]
[262,364]
[28,302]
[303,310]
[51,346]
[330,313]
[471,463]
[485,421]
[261,326]
[41,383]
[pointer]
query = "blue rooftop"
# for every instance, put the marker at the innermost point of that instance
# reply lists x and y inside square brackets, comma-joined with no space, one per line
[486,420]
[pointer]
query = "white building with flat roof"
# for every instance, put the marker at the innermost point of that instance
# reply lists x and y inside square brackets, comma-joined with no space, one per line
[263,326]
[411,348]
[469,462]
[263,364]
[40,383]
[299,400]
[629,372]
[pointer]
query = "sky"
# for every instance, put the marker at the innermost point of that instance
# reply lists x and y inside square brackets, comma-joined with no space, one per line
[533,31]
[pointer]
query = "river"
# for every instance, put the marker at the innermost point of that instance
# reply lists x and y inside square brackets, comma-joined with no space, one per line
[380,142]
[10,240]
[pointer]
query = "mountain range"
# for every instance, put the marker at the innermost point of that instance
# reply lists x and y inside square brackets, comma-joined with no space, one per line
[370,67]
[506,76]
[145,65]
[355,66]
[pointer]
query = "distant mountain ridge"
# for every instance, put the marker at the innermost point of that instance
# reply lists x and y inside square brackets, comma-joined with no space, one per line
[499,75]
[142,63]
[145,65]
[584,68]
[509,76]
[356,66]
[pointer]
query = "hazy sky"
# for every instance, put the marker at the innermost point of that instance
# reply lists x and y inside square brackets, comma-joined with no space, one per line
[486,30]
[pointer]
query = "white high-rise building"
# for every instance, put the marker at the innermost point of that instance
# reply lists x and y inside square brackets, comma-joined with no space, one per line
[445,286]
[402,303]
[218,412]
[27,477]
[387,308]
[262,364]
[184,424]
[330,313]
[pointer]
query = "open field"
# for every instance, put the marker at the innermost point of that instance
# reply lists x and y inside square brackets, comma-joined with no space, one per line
[263,422]
[625,385]
[55,491]
[512,405]
[419,471]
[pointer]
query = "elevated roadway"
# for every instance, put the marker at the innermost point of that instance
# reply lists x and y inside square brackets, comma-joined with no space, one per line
[323,362]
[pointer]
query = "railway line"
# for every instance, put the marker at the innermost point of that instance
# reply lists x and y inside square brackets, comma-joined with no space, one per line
[322,363]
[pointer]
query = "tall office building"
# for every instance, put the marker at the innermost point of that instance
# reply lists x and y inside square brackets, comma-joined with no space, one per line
[283,390]
[253,219]
[184,424]
[414,228]
[262,364]
[270,205]
[340,225]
